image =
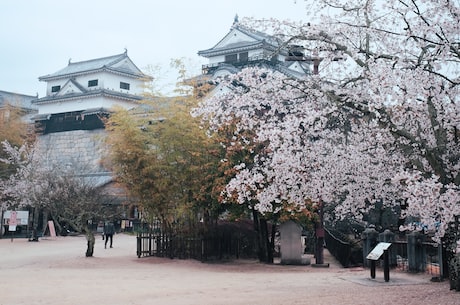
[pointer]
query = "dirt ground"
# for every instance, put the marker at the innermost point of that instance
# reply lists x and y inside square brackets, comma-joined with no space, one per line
[55,271]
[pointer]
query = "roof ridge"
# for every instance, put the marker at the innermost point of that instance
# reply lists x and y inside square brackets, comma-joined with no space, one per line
[116,57]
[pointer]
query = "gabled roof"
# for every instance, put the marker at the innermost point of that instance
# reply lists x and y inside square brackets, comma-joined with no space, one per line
[241,38]
[68,88]
[120,64]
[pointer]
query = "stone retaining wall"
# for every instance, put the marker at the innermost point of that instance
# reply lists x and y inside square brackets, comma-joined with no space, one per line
[82,150]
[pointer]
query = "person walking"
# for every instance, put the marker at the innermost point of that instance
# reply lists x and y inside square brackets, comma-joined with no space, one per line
[109,230]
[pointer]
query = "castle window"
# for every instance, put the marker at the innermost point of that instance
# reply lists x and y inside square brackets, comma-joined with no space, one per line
[124,86]
[55,88]
[231,58]
[243,57]
[92,83]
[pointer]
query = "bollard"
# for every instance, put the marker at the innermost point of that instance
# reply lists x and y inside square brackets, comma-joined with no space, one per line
[416,252]
[389,237]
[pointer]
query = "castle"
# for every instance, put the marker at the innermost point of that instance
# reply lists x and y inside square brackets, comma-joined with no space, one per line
[69,119]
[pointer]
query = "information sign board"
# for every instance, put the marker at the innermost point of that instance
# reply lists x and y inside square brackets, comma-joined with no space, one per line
[377,252]
[22,217]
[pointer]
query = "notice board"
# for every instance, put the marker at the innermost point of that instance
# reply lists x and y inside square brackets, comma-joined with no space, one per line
[377,252]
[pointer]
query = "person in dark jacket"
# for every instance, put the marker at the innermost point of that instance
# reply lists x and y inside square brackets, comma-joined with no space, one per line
[109,230]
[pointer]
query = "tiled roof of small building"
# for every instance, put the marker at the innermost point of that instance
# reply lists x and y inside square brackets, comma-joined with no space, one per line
[17,100]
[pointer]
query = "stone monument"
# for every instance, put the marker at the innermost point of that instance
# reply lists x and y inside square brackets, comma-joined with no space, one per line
[291,244]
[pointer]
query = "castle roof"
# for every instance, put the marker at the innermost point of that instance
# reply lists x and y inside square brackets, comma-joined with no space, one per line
[88,94]
[261,49]
[119,64]
[251,40]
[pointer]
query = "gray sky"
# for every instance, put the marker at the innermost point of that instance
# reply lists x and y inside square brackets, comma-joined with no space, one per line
[38,37]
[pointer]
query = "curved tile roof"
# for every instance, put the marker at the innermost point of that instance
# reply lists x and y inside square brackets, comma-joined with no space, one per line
[105,92]
[88,66]
[260,40]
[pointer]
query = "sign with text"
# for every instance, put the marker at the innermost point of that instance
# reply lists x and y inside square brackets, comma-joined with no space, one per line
[22,218]
[377,252]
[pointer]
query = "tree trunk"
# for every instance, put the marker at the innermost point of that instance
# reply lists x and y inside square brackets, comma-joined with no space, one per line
[34,236]
[454,272]
[264,246]
[271,244]
[260,252]
[90,242]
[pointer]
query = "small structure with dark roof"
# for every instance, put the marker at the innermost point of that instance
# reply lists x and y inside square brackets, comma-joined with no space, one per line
[21,102]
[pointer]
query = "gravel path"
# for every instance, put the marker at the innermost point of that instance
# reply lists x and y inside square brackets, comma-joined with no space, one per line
[56,272]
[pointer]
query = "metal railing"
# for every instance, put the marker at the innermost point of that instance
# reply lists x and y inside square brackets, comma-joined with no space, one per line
[347,253]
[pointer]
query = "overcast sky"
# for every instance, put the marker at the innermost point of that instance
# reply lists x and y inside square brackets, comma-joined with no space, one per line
[39,37]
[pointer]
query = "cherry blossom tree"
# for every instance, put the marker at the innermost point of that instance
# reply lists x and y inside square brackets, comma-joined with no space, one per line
[379,122]
[59,193]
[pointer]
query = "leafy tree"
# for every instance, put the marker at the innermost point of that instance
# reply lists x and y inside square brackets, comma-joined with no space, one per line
[164,160]
[378,124]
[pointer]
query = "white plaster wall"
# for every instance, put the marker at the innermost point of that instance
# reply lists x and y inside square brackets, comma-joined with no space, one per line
[112,82]
[105,81]
[50,84]
[216,59]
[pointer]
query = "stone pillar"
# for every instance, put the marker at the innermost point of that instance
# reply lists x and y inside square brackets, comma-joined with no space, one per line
[370,240]
[388,237]
[416,252]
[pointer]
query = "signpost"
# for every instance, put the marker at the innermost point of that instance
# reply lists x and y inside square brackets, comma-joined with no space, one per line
[13,219]
[375,254]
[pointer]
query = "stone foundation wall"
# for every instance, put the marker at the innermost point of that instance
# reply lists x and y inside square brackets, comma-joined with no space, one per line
[81,150]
